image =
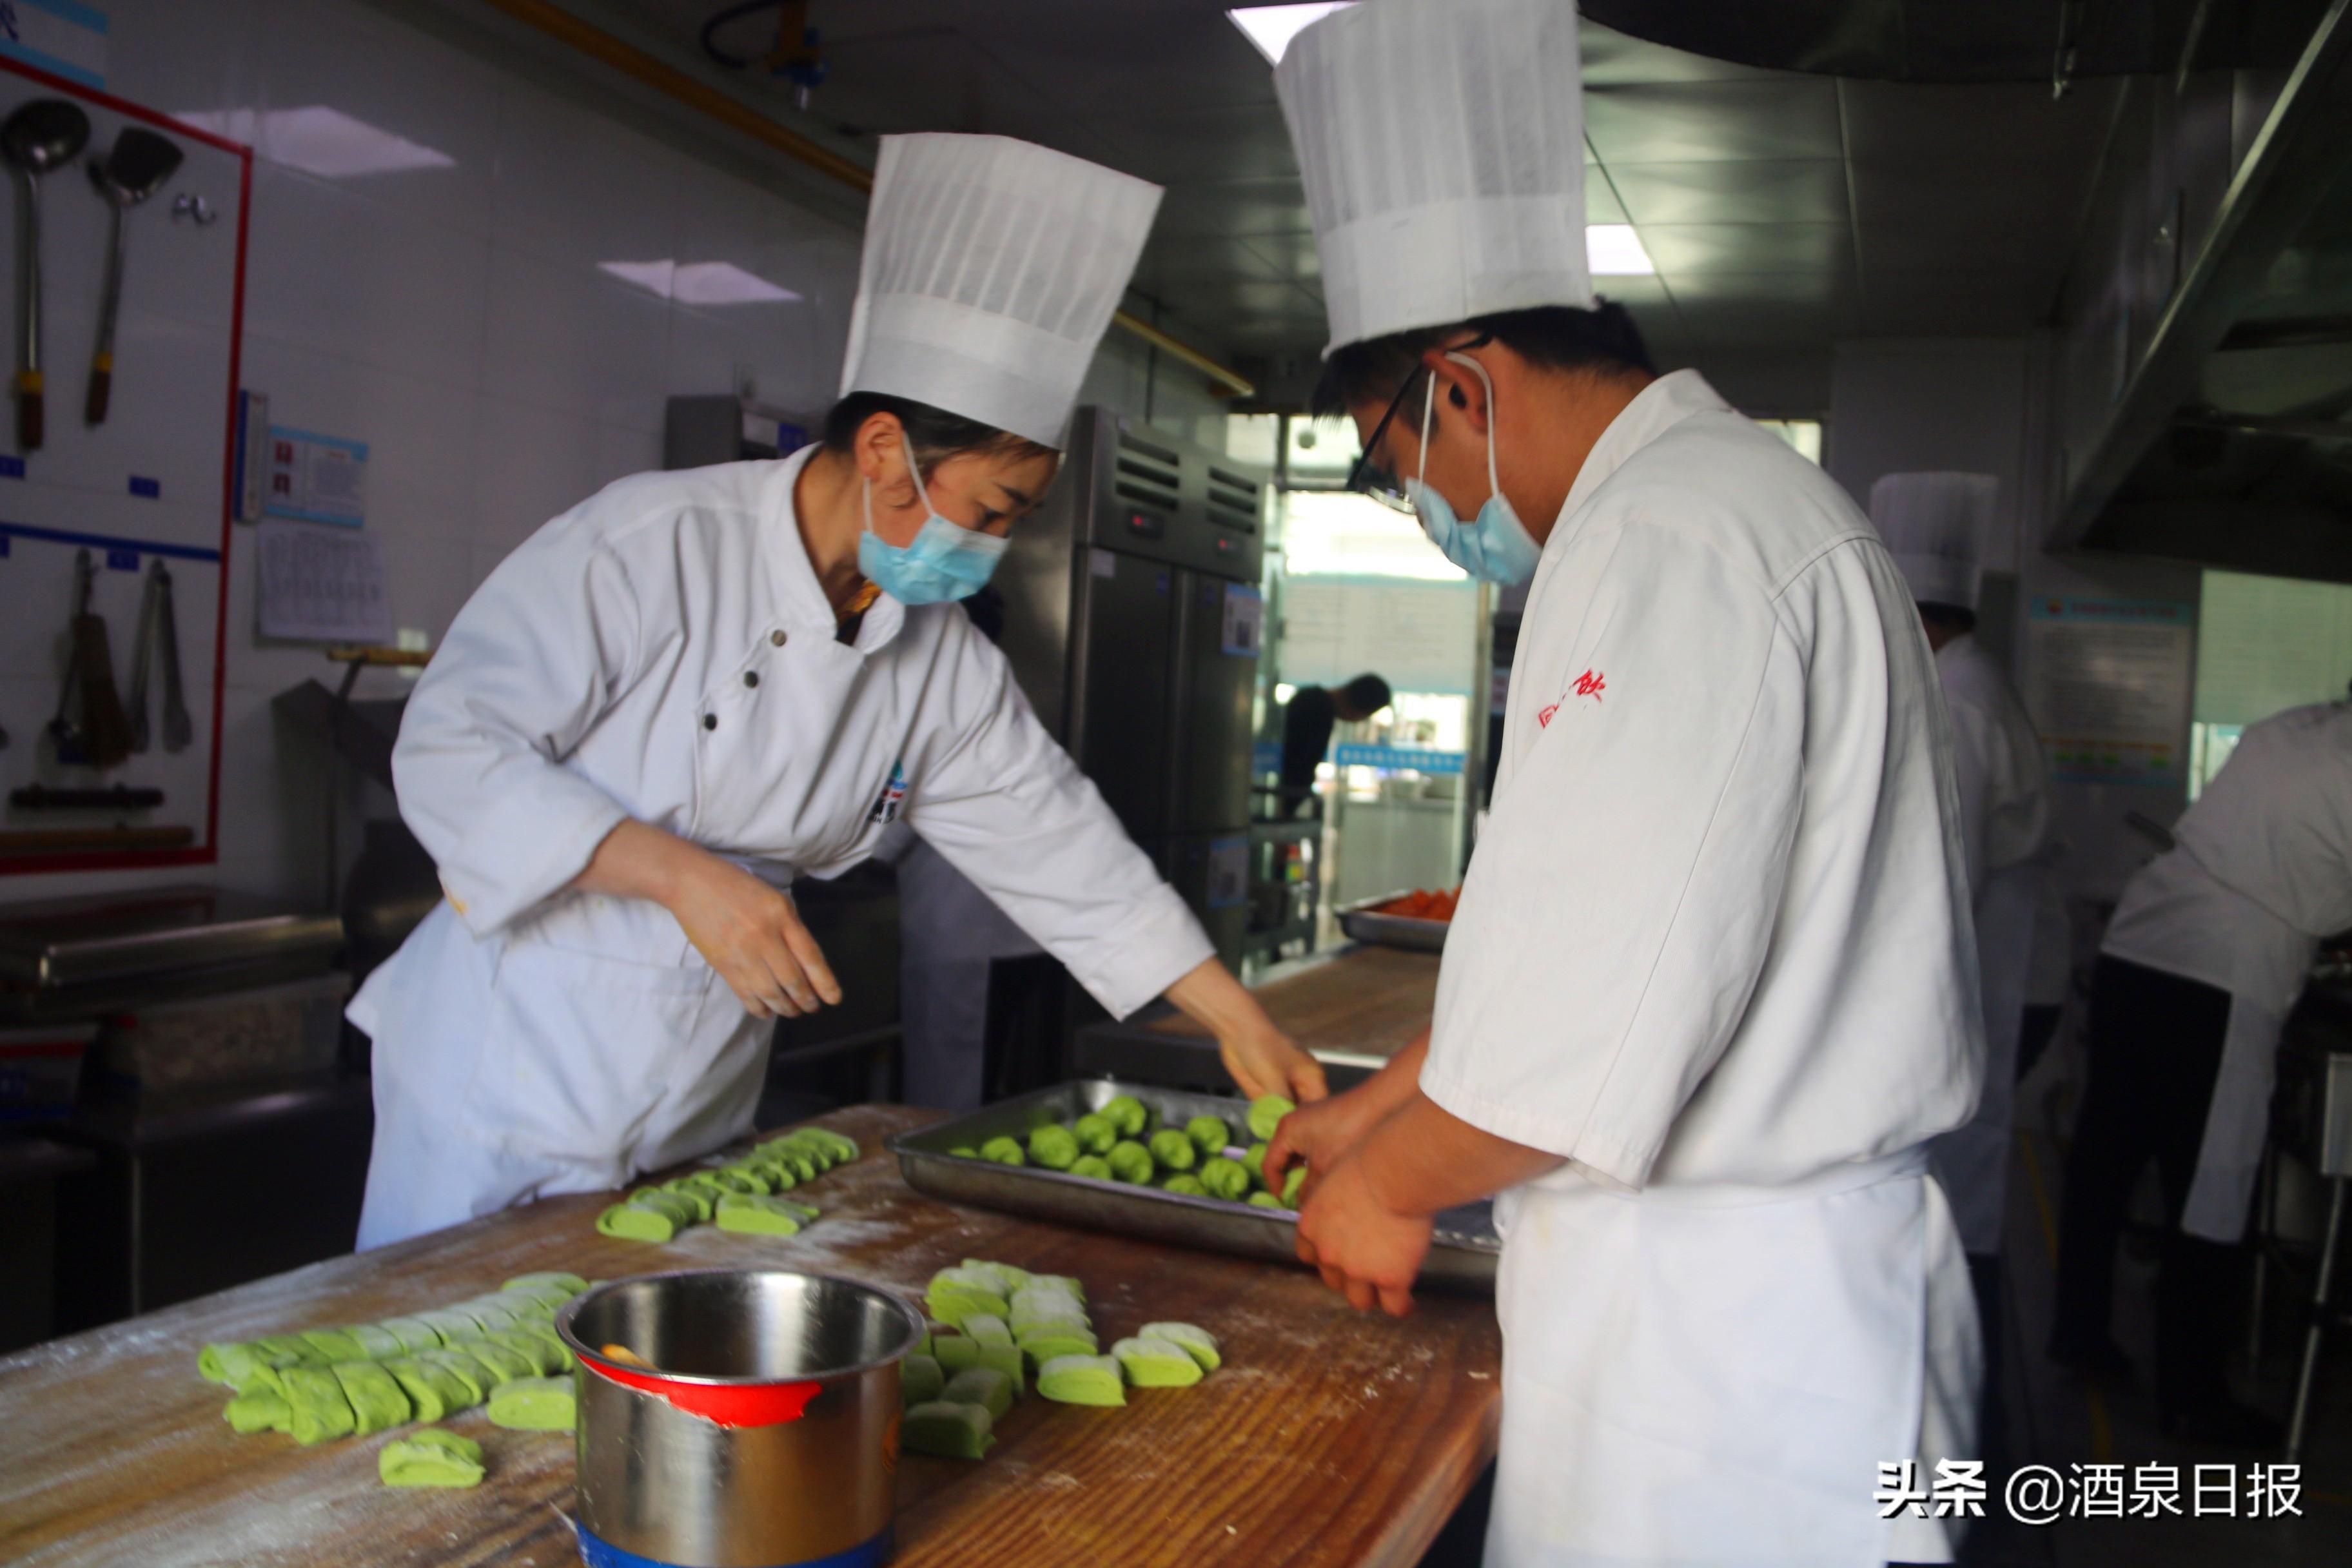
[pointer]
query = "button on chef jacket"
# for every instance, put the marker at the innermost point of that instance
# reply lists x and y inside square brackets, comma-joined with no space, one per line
[663,651]
[1713,951]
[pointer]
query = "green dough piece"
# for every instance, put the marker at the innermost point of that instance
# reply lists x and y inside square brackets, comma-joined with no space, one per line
[1003,1151]
[735,1182]
[803,1164]
[1266,1114]
[378,1401]
[1055,1148]
[530,1308]
[920,1378]
[1156,1363]
[981,1386]
[375,1341]
[1005,1279]
[1066,1284]
[335,1345]
[430,1458]
[320,1410]
[635,1222]
[570,1284]
[1226,1179]
[1292,1180]
[947,1431]
[414,1333]
[1184,1186]
[545,1334]
[1082,1380]
[258,1413]
[1093,1166]
[1174,1151]
[547,1357]
[509,1364]
[965,1152]
[1044,1347]
[451,1326]
[748,1215]
[432,1392]
[1197,1343]
[680,1209]
[1265,1200]
[477,1379]
[535,1404]
[262,1379]
[1008,1360]
[1255,1162]
[757,1175]
[954,1353]
[1094,1132]
[491,1312]
[844,1149]
[1127,1114]
[1209,1134]
[987,1329]
[552,1296]
[955,1294]
[1033,1318]
[225,1362]
[1130,1162]
[694,1195]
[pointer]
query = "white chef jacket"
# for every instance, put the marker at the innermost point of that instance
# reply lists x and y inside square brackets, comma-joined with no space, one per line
[2259,872]
[2004,827]
[1714,950]
[663,651]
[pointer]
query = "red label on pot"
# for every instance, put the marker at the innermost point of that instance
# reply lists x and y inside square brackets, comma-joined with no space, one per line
[721,1405]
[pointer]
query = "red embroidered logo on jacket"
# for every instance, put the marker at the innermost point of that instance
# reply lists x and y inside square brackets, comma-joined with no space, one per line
[1591,684]
[1543,715]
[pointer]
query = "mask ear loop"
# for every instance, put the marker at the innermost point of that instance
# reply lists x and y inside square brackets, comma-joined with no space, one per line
[1493,483]
[1428,406]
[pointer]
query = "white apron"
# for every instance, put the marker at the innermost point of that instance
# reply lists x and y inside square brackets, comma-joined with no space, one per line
[1636,1426]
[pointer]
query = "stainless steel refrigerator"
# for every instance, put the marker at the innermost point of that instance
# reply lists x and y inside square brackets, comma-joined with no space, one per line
[1134,624]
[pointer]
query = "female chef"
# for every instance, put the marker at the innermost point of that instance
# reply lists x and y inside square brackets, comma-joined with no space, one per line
[694,687]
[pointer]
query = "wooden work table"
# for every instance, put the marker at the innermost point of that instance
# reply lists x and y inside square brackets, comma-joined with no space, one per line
[1327,1438]
[1354,1008]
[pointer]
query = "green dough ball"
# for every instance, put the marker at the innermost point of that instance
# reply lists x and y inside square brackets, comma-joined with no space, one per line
[947,1431]
[1003,1151]
[1255,1162]
[378,1401]
[1093,1166]
[570,1284]
[1156,1363]
[335,1345]
[636,1222]
[1082,1380]
[430,1458]
[694,1195]
[1128,1114]
[1094,1132]
[1209,1134]
[965,1152]
[920,1378]
[983,1386]
[1198,1343]
[1130,1162]
[1174,1151]
[954,1353]
[477,1379]
[1265,1200]
[509,1364]
[414,1333]
[1226,1179]
[258,1413]
[1184,1186]
[1054,1343]
[1266,1114]
[451,1326]
[535,1404]
[1292,1180]
[1055,1148]
[749,1215]
[375,1341]
[988,1329]
[320,1410]
[547,1357]
[432,1392]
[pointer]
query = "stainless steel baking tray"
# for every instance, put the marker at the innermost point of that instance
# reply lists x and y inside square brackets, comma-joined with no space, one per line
[1362,922]
[1462,1257]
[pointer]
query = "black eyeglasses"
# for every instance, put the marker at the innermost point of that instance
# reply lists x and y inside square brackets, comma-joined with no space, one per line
[1367,479]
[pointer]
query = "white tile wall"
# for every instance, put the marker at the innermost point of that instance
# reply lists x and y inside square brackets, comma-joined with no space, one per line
[454,317]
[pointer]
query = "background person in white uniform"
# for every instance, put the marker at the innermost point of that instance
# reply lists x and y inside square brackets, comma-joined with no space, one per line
[1711,988]
[1935,524]
[2208,951]
[693,688]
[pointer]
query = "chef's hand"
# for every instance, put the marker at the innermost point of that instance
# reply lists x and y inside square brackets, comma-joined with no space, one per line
[1323,1135]
[1366,1251]
[1266,1061]
[752,937]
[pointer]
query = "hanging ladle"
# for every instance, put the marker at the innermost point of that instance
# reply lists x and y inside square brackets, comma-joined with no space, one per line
[38,137]
[137,168]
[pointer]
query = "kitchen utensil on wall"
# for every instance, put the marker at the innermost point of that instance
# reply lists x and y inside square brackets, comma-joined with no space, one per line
[99,735]
[143,648]
[137,168]
[39,137]
[158,637]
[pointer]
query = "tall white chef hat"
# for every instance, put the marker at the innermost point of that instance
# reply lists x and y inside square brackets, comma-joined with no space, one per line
[992,267]
[1443,145]
[1935,527]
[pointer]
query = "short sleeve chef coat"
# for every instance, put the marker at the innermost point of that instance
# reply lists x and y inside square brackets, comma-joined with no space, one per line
[1717,928]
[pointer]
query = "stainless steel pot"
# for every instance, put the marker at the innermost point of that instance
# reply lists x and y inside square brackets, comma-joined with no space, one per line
[762,1431]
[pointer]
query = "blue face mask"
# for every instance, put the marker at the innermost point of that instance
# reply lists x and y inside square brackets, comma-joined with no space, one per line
[1496,546]
[944,562]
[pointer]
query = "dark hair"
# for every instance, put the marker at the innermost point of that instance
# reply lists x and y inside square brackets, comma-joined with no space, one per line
[1556,337]
[1367,694]
[1949,619]
[935,434]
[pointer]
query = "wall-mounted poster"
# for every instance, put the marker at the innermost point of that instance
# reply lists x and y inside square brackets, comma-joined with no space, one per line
[2108,682]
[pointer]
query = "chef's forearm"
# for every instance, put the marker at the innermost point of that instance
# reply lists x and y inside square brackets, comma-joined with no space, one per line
[1399,1082]
[637,860]
[1423,1159]
[1213,998]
